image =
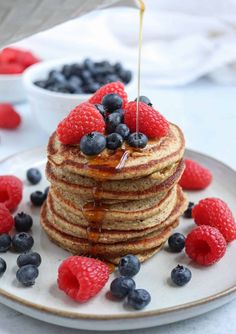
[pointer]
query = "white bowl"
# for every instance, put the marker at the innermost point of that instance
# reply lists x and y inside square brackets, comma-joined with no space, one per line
[49,107]
[12,88]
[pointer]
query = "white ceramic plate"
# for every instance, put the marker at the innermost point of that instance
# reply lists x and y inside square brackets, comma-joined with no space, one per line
[209,288]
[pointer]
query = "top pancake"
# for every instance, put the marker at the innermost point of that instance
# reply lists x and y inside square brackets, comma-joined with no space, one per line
[125,163]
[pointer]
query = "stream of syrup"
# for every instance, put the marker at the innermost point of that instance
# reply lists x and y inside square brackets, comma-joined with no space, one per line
[95,211]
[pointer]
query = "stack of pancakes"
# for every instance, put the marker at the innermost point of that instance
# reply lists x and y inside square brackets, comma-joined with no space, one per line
[117,203]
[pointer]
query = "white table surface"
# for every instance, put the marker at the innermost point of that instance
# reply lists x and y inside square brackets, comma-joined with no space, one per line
[206,113]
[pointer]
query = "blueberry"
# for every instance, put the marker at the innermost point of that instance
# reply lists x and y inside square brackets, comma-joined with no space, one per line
[118,67]
[37,198]
[46,192]
[67,71]
[121,286]
[112,121]
[93,87]
[41,83]
[139,298]
[188,211]
[101,109]
[23,222]
[145,100]
[26,275]
[88,64]
[121,112]
[75,82]
[138,140]
[29,258]
[33,175]
[5,242]
[123,130]
[93,143]
[111,78]
[129,265]
[22,242]
[114,141]
[181,275]
[125,76]
[3,266]
[176,242]
[112,102]
[56,77]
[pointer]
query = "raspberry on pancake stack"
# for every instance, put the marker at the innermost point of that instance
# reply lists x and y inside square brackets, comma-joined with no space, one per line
[114,191]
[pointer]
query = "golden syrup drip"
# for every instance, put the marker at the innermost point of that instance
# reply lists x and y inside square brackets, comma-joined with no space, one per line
[141,12]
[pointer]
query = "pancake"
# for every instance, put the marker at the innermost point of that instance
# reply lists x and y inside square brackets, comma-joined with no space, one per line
[128,214]
[125,163]
[112,236]
[118,190]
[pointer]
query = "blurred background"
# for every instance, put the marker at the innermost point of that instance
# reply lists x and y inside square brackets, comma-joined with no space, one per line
[188,66]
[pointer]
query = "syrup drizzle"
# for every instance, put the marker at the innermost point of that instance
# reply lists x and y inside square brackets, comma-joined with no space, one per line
[95,211]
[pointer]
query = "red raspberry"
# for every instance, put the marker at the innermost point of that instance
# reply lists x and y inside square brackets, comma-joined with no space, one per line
[9,118]
[85,118]
[6,219]
[205,245]
[11,189]
[216,213]
[9,55]
[151,122]
[81,277]
[27,59]
[195,176]
[113,87]
[12,68]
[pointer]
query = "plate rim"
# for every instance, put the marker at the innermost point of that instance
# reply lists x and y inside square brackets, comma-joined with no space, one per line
[144,314]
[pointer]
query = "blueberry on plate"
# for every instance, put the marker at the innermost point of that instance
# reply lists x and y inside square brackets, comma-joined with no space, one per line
[23,222]
[176,242]
[181,275]
[5,242]
[121,286]
[114,141]
[129,265]
[22,242]
[29,258]
[112,121]
[139,298]
[33,175]
[121,112]
[126,76]
[37,198]
[138,140]
[111,102]
[3,266]
[145,100]
[123,130]
[27,275]
[92,143]
[188,211]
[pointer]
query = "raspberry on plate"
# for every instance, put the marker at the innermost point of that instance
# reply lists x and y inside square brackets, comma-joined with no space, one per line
[205,245]
[9,118]
[6,219]
[110,88]
[195,176]
[13,68]
[81,277]
[151,122]
[11,189]
[215,212]
[85,118]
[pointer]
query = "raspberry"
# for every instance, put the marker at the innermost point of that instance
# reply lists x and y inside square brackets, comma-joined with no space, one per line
[81,277]
[12,68]
[113,87]
[151,122]
[205,245]
[10,191]
[85,118]
[6,220]
[195,176]
[216,213]
[9,118]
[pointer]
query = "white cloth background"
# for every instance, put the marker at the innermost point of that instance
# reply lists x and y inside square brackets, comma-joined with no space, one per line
[183,40]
